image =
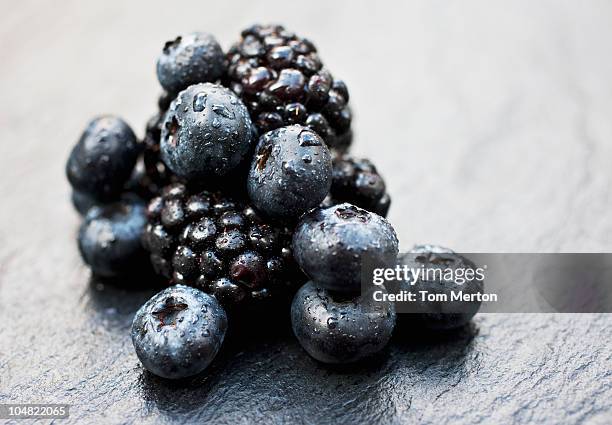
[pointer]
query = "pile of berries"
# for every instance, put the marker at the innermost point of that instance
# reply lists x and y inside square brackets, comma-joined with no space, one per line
[241,192]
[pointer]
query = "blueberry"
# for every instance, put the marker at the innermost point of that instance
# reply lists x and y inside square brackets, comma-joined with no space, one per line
[206,133]
[290,173]
[330,245]
[440,315]
[103,159]
[333,329]
[178,332]
[82,202]
[190,59]
[109,238]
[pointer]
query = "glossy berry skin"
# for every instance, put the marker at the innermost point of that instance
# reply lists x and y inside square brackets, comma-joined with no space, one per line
[103,159]
[282,80]
[206,133]
[220,245]
[190,59]
[290,173]
[330,245]
[358,182]
[178,332]
[335,329]
[440,315]
[82,202]
[109,238]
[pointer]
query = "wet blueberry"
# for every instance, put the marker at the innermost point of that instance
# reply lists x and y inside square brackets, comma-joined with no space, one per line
[82,202]
[206,133]
[335,329]
[109,238]
[290,173]
[190,59]
[441,315]
[103,159]
[331,244]
[178,332]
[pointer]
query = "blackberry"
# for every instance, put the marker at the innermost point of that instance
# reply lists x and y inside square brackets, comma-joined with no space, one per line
[155,174]
[220,245]
[282,81]
[357,181]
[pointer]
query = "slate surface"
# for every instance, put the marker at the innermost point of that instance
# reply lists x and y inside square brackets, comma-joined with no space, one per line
[491,122]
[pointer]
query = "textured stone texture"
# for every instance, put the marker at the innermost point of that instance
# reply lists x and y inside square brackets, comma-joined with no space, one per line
[490,121]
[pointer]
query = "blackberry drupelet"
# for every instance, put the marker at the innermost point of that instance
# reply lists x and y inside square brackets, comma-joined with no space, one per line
[219,245]
[282,81]
[357,181]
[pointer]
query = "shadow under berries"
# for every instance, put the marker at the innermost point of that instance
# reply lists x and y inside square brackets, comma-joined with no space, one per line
[115,301]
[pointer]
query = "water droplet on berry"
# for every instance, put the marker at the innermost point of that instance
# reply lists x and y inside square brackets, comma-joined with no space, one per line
[223,111]
[308,138]
[332,322]
[199,102]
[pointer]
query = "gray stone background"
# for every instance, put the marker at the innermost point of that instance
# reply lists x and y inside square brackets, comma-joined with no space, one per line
[492,123]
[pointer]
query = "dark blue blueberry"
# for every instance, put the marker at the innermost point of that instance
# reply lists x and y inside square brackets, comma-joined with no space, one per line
[190,59]
[103,159]
[178,332]
[82,202]
[440,315]
[333,329]
[290,173]
[206,133]
[331,244]
[109,238]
